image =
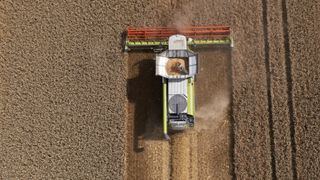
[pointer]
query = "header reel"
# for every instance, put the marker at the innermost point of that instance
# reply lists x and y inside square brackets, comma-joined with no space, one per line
[156,39]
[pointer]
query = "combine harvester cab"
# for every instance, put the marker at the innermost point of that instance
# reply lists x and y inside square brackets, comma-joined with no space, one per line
[177,65]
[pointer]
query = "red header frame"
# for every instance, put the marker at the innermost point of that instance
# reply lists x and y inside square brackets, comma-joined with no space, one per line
[161,33]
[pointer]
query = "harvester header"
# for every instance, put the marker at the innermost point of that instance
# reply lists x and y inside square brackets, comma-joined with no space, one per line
[156,38]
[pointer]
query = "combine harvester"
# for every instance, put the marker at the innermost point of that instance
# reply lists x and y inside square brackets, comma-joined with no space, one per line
[177,64]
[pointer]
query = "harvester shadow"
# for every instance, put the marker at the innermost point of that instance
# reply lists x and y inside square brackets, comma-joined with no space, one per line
[144,91]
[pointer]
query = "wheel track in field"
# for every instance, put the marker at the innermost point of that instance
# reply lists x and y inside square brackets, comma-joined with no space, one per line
[290,88]
[268,80]
[289,81]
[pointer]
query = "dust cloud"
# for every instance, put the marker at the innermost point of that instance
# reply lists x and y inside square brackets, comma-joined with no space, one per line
[214,114]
